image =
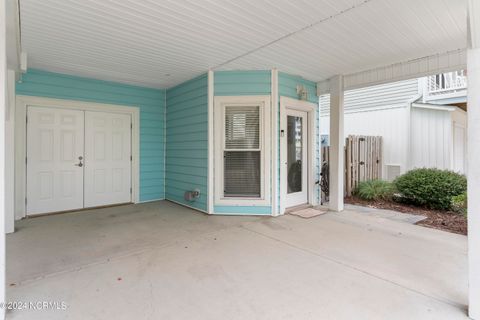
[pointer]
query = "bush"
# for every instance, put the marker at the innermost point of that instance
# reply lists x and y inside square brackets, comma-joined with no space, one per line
[459,203]
[374,190]
[432,188]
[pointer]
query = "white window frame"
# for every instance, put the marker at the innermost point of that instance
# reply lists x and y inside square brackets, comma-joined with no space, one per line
[263,102]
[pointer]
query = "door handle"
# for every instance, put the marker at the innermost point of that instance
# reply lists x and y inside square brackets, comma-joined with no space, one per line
[79,164]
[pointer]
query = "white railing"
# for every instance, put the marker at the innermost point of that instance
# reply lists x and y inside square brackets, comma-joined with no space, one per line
[446,83]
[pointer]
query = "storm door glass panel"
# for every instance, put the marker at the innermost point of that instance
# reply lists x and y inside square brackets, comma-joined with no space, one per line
[294,153]
[242,153]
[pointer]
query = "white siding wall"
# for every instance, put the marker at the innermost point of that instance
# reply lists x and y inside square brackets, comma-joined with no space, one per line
[431,138]
[390,95]
[378,110]
[435,135]
[391,124]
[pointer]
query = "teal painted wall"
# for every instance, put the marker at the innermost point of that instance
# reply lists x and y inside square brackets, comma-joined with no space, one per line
[152,110]
[242,83]
[187,141]
[287,87]
[184,166]
[243,210]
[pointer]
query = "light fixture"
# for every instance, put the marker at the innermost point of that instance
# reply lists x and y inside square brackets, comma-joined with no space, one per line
[302,92]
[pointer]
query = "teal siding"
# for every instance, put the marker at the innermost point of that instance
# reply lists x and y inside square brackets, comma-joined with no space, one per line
[152,110]
[187,141]
[244,210]
[242,83]
[287,87]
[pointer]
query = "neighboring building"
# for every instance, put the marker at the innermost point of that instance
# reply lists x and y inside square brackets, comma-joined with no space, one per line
[423,121]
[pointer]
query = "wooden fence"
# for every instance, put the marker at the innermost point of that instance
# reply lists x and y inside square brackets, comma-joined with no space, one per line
[363,161]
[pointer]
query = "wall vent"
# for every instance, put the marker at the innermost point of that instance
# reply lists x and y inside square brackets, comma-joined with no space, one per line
[393,171]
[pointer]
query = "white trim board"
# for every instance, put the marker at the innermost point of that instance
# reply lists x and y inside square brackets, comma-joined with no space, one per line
[308,107]
[275,137]
[211,181]
[21,143]
[433,107]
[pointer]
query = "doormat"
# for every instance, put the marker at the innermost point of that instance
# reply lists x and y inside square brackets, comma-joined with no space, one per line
[308,213]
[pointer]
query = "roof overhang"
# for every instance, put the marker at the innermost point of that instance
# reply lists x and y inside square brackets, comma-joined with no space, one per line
[416,68]
[163,43]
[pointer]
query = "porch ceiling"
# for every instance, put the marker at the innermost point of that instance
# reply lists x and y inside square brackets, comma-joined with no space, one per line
[163,43]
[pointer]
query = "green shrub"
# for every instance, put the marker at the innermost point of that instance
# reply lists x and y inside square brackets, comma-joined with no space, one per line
[374,190]
[432,188]
[459,203]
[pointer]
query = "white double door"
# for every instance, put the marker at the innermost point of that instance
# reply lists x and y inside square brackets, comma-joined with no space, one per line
[77,159]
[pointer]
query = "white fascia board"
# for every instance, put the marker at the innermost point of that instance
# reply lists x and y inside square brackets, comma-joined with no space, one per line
[433,107]
[416,68]
[369,109]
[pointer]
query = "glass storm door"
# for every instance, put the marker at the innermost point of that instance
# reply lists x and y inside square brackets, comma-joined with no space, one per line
[297,160]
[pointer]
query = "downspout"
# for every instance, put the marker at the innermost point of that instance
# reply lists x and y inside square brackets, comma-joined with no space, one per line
[408,147]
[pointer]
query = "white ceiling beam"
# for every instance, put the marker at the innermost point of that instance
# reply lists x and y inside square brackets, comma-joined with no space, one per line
[473,23]
[416,68]
[14,48]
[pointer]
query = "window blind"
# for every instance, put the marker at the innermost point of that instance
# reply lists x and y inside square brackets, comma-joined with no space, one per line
[242,154]
[242,127]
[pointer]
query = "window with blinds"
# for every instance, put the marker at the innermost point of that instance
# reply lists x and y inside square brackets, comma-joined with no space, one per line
[242,153]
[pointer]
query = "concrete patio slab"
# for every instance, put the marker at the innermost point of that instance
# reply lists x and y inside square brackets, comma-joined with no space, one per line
[62,242]
[389,214]
[335,266]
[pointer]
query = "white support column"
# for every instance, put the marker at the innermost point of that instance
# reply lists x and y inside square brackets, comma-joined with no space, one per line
[10,154]
[3,104]
[473,115]
[337,155]
[473,176]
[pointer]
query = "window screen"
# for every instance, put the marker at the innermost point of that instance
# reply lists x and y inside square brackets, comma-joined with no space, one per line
[242,154]
[242,174]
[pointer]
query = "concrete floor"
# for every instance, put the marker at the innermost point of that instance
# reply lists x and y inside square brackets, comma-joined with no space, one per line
[162,261]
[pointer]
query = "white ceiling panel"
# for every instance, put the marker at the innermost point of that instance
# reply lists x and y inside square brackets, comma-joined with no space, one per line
[163,43]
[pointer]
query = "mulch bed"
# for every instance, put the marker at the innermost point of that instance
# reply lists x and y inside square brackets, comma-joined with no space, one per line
[442,220]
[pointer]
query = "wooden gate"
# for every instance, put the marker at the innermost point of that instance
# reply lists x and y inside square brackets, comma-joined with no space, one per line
[363,161]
